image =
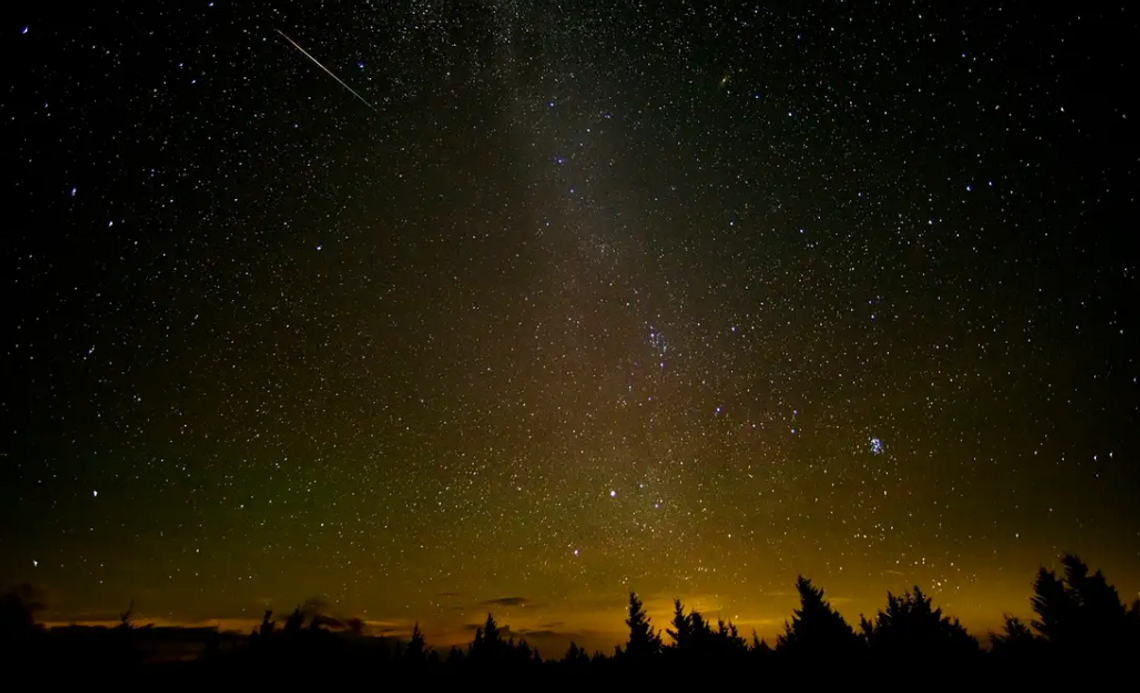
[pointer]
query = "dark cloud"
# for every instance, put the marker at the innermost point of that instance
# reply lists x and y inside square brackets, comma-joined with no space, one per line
[320,609]
[329,621]
[356,625]
[507,601]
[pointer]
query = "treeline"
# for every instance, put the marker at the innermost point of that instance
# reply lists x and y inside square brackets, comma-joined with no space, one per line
[1080,624]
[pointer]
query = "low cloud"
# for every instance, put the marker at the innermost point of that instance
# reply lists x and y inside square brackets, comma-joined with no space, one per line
[507,601]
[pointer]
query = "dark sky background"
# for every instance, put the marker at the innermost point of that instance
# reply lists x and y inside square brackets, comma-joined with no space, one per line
[587,297]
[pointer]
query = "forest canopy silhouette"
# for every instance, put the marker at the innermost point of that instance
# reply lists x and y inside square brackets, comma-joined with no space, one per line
[1079,623]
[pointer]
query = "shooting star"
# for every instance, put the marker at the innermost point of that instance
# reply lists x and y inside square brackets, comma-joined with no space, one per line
[330,73]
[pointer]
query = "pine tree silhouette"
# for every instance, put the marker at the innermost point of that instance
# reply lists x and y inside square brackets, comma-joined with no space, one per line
[1016,642]
[699,631]
[643,642]
[576,658]
[1081,616]
[1080,622]
[455,656]
[416,651]
[125,622]
[910,627]
[1056,608]
[682,630]
[18,607]
[728,645]
[759,650]
[696,643]
[817,630]
[267,624]
[488,646]
[294,621]
[492,636]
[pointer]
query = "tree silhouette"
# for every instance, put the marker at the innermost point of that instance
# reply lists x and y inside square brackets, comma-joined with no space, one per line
[521,653]
[696,643]
[1082,614]
[125,622]
[1016,642]
[416,651]
[576,657]
[18,608]
[682,630]
[759,650]
[910,627]
[488,645]
[644,642]
[817,630]
[267,624]
[294,621]
[1080,621]
[726,641]
[454,657]
[491,632]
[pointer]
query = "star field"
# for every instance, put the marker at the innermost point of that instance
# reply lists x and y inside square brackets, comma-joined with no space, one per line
[599,297]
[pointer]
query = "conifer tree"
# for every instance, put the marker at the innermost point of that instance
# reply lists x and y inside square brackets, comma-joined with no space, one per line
[644,641]
[576,657]
[911,627]
[18,607]
[816,629]
[1016,641]
[267,624]
[682,629]
[415,652]
[759,647]
[1082,614]
[295,620]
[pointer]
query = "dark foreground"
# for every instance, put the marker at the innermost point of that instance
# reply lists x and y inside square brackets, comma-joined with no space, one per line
[1082,629]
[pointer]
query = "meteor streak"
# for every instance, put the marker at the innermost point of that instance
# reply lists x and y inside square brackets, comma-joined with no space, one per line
[330,73]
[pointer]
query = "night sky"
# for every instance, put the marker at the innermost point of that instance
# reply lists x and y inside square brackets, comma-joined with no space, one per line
[568,299]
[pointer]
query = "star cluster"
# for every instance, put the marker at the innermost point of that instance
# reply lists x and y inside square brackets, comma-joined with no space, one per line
[686,298]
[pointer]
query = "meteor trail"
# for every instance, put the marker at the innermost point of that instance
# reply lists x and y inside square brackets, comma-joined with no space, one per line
[318,63]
